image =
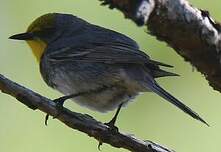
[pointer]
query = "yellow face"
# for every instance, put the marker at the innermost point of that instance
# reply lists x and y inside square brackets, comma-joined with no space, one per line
[38,48]
[38,34]
[37,45]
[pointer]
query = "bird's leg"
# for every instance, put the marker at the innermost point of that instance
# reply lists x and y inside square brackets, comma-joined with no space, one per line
[59,104]
[112,122]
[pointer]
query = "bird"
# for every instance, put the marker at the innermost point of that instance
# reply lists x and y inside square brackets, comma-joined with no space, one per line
[96,67]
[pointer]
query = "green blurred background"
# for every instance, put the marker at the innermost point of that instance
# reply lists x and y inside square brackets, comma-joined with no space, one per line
[150,117]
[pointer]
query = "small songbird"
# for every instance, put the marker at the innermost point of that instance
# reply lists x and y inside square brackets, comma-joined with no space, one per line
[94,66]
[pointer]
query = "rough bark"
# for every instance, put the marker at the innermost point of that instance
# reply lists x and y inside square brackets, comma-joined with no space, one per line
[190,31]
[82,122]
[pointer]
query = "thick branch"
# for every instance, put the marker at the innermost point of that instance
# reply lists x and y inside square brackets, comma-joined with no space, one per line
[190,31]
[81,122]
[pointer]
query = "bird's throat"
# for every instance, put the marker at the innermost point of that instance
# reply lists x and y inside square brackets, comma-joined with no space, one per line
[38,48]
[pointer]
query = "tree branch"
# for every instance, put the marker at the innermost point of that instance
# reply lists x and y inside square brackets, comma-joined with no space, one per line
[190,31]
[81,122]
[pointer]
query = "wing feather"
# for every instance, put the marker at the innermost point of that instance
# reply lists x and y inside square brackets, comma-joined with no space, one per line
[111,53]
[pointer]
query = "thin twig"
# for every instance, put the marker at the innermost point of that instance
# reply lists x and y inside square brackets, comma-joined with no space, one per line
[82,122]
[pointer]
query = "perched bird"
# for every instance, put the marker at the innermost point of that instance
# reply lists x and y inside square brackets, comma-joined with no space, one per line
[94,66]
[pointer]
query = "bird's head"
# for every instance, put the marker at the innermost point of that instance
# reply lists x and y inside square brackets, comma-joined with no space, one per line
[46,29]
[39,34]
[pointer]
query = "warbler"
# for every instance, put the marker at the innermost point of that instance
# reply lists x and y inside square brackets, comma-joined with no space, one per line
[94,66]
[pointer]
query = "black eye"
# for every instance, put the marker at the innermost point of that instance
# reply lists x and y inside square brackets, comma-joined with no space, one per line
[45,32]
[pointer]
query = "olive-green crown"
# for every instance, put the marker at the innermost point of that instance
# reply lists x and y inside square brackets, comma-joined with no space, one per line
[42,22]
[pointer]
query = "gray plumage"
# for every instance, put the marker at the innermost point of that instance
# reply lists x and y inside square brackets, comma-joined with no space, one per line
[108,66]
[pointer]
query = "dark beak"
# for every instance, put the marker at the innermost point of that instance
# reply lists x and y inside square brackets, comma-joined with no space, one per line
[23,36]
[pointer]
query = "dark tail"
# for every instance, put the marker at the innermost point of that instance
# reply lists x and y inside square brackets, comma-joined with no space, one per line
[161,73]
[163,93]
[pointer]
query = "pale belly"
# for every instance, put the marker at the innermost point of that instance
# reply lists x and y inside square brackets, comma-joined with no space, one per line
[106,86]
[98,97]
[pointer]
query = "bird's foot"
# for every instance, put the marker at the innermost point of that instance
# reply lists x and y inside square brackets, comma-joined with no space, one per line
[59,105]
[112,128]
[99,145]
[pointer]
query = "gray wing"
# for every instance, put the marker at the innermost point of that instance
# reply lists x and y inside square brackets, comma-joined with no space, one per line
[96,44]
[101,52]
[109,53]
